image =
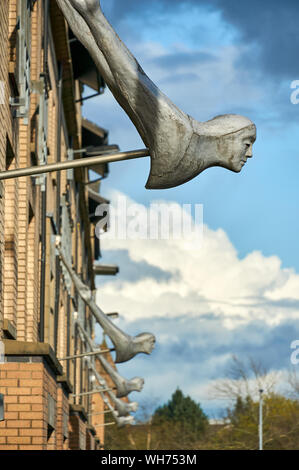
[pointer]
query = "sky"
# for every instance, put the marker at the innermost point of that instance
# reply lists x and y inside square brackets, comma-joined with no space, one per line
[238,292]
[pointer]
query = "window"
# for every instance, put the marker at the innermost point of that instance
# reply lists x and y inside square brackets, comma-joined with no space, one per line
[23,59]
[42,124]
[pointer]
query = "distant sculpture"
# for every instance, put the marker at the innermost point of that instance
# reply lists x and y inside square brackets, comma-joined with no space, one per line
[101,381]
[123,386]
[122,408]
[180,147]
[126,346]
[120,420]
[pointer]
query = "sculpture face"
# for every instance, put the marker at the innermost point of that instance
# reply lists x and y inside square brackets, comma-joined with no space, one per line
[149,344]
[145,342]
[137,384]
[238,148]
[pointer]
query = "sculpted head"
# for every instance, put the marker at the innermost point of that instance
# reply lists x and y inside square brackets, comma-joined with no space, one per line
[224,141]
[146,342]
[124,420]
[233,137]
[133,406]
[136,384]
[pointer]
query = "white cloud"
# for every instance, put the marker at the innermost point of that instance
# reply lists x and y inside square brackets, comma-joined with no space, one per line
[211,279]
[207,304]
[203,305]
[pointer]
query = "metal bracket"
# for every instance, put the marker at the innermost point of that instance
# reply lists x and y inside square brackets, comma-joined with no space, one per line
[40,180]
[17,102]
[70,171]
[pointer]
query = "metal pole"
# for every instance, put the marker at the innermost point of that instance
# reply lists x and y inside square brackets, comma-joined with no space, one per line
[93,353]
[58,198]
[105,424]
[101,390]
[261,421]
[43,264]
[113,315]
[80,162]
[100,413]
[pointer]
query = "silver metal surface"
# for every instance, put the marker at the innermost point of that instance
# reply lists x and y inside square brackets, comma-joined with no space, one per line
[92,353]
[126,346]
[180,146]
[100,413]
[123,386]
[105,269]
[92,392]
[79,163]
[105,424]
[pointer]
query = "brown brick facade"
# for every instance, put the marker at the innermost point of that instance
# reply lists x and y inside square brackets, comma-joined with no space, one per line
[48,404]
[26,387]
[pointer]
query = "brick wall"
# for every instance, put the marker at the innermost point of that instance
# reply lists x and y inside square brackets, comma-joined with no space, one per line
[8,131]
[24,426]
[27,385]
[90,439]
[62,413]
[77,432]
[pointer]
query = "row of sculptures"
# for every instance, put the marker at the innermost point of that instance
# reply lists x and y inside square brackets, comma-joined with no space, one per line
[126,347]
[180,148]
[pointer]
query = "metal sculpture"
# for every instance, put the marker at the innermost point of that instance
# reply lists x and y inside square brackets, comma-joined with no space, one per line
[123,386]
[126,346]
[180,147]
[122,408]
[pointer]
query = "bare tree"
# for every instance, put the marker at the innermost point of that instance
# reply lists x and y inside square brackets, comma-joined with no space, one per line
[244,379]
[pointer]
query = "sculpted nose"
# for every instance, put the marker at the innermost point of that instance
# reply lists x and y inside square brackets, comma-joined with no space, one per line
[249,152]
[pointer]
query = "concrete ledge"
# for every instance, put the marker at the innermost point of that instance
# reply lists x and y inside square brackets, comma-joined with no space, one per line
[25,349]
[9,330]
[65,383]
[78,410]
[92,430]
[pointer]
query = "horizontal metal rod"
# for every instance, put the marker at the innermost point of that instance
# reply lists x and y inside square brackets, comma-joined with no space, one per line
[79,163]
[93,353]
[112,315]
[101,390]
[101,413]
[108,270]
[102,425]
[88,97]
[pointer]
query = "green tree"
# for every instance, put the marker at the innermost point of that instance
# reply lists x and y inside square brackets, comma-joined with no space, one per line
[178,424]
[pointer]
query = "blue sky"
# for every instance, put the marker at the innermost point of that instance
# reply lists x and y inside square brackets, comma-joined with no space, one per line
[212,57]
